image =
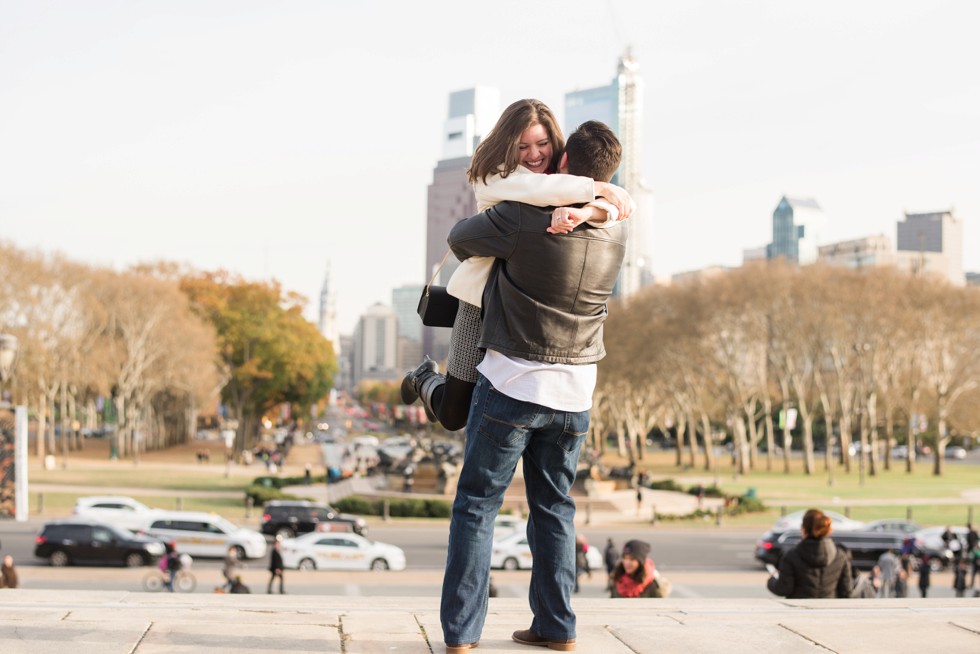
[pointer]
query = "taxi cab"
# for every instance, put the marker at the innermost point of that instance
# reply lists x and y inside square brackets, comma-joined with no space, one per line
[340,551]
[205,534]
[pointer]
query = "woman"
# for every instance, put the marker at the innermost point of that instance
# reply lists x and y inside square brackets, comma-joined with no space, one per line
[526,140]
[635,575]
[815,568]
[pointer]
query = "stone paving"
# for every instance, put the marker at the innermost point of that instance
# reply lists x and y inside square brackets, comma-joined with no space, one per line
[106,622]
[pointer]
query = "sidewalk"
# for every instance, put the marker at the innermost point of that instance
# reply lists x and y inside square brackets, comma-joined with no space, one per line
[105,622]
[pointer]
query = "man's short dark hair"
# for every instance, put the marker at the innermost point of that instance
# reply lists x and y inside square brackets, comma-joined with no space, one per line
[593,151]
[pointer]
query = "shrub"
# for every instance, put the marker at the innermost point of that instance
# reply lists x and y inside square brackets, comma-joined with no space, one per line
[407,507]
[666,484]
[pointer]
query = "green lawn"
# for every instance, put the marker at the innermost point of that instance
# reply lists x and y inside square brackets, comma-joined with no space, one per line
[779,491]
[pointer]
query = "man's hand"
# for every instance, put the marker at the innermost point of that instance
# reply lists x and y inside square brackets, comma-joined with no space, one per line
[617,196]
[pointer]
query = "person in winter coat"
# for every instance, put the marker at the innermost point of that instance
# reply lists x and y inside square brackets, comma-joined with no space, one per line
[814,568]
[634,575]
[8,573]
[924,573]
[275,567]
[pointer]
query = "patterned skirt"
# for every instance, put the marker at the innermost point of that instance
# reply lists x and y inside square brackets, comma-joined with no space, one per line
[464,355]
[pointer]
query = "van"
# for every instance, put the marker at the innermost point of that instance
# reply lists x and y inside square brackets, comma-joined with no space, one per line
[205,534]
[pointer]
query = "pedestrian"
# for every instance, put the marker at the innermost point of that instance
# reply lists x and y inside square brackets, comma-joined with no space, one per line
[544,306]
[959,577]
[610,556]
[275,567]
[974,558]
[925,571]
[514,162]
[887,569]
[699,493]
[172,564]
[308,474]
[815,568]
[230,569]
[238,587]
[581,559]
[901,586]
[635,575]
[8,573]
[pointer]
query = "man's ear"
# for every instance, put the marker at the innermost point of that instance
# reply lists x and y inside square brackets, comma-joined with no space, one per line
[563,163]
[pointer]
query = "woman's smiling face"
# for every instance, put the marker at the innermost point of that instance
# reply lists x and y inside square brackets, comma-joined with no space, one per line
[535,149]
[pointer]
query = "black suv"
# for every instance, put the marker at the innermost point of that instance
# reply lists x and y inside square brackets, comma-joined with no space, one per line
[287,518]
[65,542]
[865,545]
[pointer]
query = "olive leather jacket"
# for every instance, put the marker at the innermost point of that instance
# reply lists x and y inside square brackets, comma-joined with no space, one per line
[547,293]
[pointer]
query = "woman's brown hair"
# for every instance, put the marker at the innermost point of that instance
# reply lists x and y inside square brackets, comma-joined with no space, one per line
[816,524]
[499,152]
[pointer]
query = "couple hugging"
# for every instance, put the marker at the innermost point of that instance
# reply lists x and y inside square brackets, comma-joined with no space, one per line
[533,288]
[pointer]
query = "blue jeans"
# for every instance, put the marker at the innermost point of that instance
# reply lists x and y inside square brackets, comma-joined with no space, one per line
[501,430]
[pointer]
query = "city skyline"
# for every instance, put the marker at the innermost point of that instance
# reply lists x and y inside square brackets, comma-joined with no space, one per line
[269,140]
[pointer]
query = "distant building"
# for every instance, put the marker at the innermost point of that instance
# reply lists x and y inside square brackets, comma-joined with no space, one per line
[932,243]
[696,276]
[405,304]
[620,106]
[760,253]
[798,227]
[327,323]
[472,113]
[344,380]
[376,345]
[867,252]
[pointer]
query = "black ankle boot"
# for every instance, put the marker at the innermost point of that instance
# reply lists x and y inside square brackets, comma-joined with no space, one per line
[413,380]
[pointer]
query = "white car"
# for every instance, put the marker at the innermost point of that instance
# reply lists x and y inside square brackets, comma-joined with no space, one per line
[514,553]
[507,525]
[795,521]
[115,510]
[340,551]
[205,534]
[955,452]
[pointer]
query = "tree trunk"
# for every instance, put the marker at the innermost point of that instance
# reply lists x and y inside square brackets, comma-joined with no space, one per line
[42,412]
[770,436]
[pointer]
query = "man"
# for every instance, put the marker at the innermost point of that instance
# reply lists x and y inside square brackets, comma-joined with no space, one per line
[888,567]
[275,567]
[544,306]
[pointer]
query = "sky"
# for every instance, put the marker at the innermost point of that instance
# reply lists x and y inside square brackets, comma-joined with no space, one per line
[273,139]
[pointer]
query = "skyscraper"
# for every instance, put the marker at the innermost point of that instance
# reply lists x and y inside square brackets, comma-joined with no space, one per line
[376,345]
[620,105]
[798,228]
[472,113]
[933,242]
[328,312]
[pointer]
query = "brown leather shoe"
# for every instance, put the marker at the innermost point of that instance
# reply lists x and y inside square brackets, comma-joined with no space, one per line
[528,637]
[460,649]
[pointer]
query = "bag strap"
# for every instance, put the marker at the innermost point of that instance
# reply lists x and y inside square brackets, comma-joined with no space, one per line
[445,256]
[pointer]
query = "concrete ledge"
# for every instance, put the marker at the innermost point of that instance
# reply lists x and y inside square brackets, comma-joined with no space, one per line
[106,622]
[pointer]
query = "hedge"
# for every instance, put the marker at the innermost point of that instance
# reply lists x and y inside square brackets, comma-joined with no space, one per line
[397,507]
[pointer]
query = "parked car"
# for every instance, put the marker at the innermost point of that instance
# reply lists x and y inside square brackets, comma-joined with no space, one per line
[893,524]
[514,553]
[117,510]
[956,452]
[290,518]
[206,534]
[330,551]
[77,540]
[507,525]
[795,521]
[865,546]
